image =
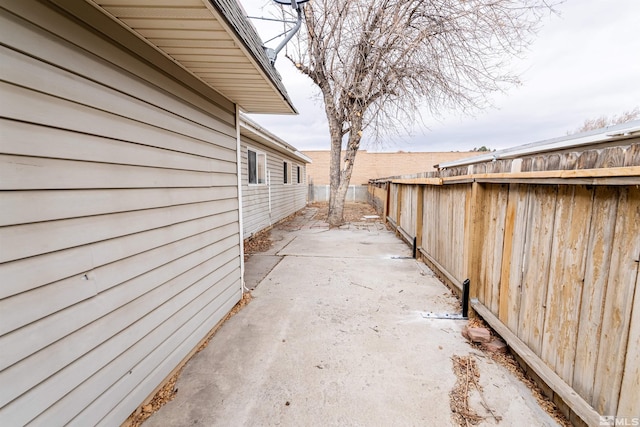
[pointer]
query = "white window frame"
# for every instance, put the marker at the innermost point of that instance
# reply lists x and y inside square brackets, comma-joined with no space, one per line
[259,154]
[300,176]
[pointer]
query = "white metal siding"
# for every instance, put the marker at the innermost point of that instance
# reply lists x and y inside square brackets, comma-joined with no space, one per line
[286,199]
[119,222]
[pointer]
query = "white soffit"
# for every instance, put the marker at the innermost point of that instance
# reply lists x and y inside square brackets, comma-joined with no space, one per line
[193,34]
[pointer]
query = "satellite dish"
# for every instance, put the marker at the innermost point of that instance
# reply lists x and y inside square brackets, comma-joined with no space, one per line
[272,54]
[294,3]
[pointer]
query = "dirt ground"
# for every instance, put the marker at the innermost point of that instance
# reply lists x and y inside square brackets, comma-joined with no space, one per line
[353,212]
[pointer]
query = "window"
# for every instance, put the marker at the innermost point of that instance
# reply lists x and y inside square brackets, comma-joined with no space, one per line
[299,175]
[257,163]
[286,171]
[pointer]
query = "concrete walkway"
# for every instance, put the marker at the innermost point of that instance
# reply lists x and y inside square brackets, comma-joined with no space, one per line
[334,337]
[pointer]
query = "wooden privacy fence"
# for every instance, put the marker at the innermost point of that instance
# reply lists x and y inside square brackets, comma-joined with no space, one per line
[553,260]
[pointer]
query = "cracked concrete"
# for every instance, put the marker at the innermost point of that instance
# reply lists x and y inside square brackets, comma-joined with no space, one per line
[334,337]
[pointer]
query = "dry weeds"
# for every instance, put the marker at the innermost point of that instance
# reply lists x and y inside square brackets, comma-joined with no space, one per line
[466,371]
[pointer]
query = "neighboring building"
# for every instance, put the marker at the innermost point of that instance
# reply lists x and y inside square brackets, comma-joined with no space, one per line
[120,238]
[273,178]
[371,166]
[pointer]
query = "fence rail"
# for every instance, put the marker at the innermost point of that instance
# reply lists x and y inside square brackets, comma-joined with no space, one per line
[553,258]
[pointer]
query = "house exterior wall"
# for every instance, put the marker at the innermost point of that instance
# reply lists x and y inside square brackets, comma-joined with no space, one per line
[286,199]
[379,165]
[119,226]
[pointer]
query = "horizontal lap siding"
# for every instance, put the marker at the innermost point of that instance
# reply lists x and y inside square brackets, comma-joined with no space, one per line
[286,199]
[119,223]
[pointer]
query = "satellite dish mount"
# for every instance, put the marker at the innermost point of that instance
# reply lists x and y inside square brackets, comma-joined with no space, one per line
[272,54]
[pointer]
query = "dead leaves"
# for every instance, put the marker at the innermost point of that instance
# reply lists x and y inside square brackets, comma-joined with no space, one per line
[259,242]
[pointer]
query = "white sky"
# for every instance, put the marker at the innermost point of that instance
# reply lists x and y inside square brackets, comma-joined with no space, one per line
[583,64]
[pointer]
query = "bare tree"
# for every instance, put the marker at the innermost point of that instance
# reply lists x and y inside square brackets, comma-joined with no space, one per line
[378,62]
[604,121]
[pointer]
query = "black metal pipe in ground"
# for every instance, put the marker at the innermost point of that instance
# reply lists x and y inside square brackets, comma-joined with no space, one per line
[415,247]
[465,298]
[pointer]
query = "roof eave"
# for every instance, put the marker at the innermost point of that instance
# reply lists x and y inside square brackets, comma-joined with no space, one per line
[249,39]
[234,63]
[257,133]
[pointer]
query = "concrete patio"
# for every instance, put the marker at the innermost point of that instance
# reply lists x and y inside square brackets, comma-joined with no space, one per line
[334,336]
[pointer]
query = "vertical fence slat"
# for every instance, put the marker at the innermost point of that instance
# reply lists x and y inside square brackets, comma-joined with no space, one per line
[629,405]
[619,297]
[492,223]
[399,189]
[480,213]
[473,239]
[542,205]
[572,223]
[419,215]
[500,212]
[513,271]
[604,213]
[488,261]
[447,238]
[506,290]
[466,233]
[461,204]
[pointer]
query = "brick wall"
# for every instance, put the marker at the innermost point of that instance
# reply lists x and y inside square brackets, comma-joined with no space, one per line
[380,165]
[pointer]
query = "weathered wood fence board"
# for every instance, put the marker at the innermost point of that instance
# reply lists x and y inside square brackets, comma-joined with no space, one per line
[408,209]
[572,221]
[630,389]
[443,227]
[623,273]
[539,235]
[553,258]
[601,229]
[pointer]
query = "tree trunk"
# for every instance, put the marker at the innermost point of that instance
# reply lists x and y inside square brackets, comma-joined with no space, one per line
[340,178]
[335,211]
[336,205]
[336,200]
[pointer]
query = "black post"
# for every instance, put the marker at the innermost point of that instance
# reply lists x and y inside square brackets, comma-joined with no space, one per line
[415,247]
[465,298]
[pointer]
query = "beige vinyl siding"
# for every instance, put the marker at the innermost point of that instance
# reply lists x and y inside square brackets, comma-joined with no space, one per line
[119,222]
[286,199]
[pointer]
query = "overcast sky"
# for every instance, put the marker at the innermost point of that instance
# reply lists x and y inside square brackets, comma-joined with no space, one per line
[584,63]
